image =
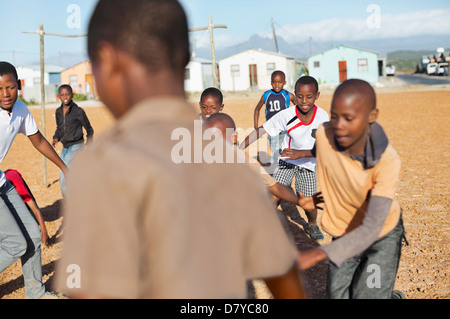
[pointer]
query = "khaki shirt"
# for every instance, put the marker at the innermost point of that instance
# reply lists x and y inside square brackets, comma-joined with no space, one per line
[347,187]
[139,225]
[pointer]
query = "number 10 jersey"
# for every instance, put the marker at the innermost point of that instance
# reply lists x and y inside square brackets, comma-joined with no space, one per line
[275,102]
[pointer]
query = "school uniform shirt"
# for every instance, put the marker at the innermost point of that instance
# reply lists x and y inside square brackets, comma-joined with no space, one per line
[299,135]
[347,186]
[18,121]
[275,102]
[141,223]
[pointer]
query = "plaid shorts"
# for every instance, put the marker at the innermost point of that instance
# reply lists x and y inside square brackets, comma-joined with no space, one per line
[305,180]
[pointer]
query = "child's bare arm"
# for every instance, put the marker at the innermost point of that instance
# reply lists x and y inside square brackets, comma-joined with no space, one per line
[43,146]
[292,99]
[295,154]
[308,203]
[287,286]
[257,111]
[35,209]
[252,137]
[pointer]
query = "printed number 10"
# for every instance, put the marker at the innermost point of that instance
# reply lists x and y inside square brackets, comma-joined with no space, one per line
[274,106]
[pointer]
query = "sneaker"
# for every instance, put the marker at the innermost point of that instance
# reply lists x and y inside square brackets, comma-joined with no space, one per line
[52,295]
[314,232]
[397,294]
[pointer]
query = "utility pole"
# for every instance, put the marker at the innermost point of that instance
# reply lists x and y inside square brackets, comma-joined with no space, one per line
[210,27]
[310,47]
[41,40]
[275,38]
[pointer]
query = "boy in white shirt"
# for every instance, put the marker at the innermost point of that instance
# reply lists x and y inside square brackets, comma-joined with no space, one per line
[297,159]
[20,236]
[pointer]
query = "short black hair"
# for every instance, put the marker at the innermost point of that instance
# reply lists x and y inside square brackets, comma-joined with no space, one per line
[305,80]
[278,72]
[65,86]
[154,32]
[360,88]
[8,68]
[212,91]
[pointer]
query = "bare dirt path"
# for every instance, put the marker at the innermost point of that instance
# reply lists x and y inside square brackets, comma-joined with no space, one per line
[416,121]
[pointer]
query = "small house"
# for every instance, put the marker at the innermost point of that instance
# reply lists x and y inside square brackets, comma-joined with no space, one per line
[30,78]
[198,75]
[345,62]
[252,70]
[80,78]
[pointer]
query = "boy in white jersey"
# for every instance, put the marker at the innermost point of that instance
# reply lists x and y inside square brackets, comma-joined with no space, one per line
[20,236]
[300,124]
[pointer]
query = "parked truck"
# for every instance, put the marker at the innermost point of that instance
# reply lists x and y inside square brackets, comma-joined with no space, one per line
[436,64]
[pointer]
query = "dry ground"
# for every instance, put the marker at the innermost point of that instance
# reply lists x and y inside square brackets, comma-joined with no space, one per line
[416,121]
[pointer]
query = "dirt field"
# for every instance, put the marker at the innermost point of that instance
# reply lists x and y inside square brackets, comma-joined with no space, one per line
[416,121]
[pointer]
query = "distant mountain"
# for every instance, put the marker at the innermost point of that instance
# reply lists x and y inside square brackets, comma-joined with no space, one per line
[64,59]
[302,49]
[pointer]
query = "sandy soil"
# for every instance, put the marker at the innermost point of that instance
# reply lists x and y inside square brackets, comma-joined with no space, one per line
[416,121]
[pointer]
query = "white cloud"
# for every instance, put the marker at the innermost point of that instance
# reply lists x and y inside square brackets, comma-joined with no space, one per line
[387,26]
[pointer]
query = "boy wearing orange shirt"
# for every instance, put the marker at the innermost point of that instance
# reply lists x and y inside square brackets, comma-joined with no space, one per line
[358,173]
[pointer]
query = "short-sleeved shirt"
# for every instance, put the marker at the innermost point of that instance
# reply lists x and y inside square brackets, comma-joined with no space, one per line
[300,136]
[139,225]
[276,102]
[16,179]
[18,121]
[346,186]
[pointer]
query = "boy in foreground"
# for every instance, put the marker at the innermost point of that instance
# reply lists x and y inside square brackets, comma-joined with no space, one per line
[358,173]
[140,225]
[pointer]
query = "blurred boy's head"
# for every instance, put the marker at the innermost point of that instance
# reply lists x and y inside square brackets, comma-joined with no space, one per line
[65,94]
[133,42]
[353,108]
[306,93]
[278,81]
[211,102]
[9,86]
[225,124]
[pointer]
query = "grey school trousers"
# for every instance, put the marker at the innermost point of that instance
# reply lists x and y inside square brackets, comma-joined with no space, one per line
[370,274]
[20,237]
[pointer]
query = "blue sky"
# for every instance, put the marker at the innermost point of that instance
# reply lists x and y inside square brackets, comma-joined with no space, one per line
[295,20]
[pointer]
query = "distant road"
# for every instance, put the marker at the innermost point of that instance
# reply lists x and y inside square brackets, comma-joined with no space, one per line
[422,79]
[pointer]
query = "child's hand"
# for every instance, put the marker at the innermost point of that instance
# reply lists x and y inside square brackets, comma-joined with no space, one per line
[290,154]
[44,238]
[309,258]
[54,142]
[310,202]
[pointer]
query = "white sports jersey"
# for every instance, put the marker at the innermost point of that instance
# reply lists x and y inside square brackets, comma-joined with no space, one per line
[299,135]
[19,121]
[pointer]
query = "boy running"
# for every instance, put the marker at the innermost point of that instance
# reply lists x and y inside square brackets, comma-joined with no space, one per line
[358,172]
[20,236]
[300,124]
[275,100]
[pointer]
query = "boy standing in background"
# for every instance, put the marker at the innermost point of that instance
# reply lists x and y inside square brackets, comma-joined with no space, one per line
[70,120]
[275,100]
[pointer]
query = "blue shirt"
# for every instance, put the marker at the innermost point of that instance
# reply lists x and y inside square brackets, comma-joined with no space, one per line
[275,102]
